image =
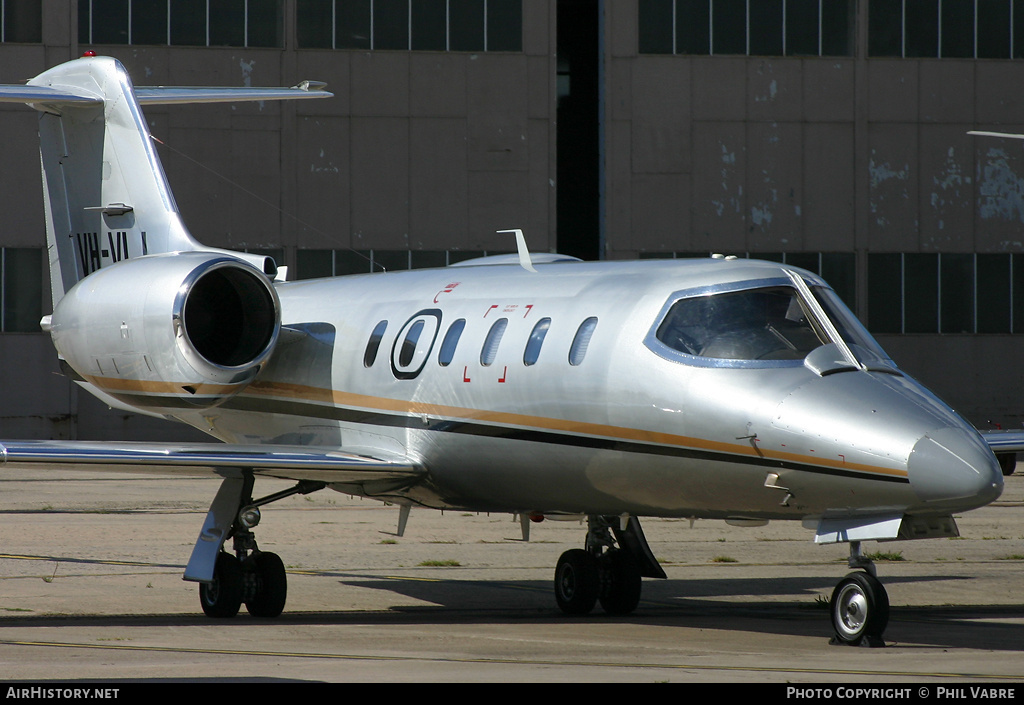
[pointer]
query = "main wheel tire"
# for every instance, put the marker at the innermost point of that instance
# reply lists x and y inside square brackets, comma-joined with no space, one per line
[222,597]
[271,586]
[620,583]
[577,582]
[860,609]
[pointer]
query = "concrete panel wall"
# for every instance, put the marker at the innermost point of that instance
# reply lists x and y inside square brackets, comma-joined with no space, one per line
[416,150]
[434,151]
[848,155]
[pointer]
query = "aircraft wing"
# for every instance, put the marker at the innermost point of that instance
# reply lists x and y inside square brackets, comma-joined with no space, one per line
[211,459]
[1004,441]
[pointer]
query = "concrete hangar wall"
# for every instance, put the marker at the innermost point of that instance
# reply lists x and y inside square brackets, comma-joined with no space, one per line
[828,134]
[833,135]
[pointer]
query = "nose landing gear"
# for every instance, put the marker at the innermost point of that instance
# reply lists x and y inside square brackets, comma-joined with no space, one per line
[859,605]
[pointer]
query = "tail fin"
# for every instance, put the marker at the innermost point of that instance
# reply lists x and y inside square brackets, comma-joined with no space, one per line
[105,192]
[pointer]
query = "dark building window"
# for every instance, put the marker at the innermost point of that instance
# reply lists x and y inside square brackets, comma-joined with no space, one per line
[241,23]
[429,25]
[21,269]
[983,29]
[21,21]
[149,22]
[747,27]
[945,293]
[418,25]
[313,264]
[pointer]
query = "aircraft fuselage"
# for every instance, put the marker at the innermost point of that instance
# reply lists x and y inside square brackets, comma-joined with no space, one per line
[623,427]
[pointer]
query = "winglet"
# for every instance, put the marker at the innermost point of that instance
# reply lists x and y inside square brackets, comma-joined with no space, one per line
[524,254]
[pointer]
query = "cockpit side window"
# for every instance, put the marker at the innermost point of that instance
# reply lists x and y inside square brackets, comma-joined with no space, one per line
[768,323]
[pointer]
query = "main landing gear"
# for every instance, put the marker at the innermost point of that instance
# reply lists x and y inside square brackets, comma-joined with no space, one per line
[246,575]
[608,570]
[860,605]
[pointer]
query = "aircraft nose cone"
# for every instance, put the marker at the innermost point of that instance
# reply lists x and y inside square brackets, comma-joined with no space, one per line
[952,465]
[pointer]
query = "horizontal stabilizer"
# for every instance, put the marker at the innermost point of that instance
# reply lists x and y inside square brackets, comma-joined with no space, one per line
[161,95]
[47,95]
[206,459]
[172,95]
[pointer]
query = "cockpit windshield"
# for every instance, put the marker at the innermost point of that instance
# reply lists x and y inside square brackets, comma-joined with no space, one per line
[771,323]
[756,324]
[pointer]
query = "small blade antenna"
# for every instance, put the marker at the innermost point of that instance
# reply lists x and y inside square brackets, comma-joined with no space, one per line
[524,254]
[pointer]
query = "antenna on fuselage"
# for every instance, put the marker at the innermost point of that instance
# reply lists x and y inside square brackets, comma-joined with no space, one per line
[524,254]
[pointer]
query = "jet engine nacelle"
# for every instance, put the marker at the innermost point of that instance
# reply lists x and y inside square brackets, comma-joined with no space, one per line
[197,326]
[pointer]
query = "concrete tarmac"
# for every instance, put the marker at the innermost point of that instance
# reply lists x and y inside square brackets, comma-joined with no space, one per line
[91,590]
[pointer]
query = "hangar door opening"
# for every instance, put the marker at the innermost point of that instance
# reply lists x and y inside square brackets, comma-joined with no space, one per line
[579,150]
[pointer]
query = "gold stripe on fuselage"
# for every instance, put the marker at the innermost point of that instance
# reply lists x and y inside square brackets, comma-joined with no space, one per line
[567,426]
[319,395]
[114,385]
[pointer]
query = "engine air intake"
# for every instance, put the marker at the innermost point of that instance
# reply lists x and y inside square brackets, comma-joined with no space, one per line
[229,316]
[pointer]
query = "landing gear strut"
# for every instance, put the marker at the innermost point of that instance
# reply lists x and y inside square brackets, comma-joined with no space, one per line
[246,575]
[608,571]
[860,605]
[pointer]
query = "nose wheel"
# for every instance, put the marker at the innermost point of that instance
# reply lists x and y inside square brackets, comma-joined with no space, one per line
[859,605]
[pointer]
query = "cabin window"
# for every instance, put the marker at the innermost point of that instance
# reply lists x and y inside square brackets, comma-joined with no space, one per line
[450,342]
[409,344]
[580,343]
[535,342]
[373,344]
[756,324]
[490,349]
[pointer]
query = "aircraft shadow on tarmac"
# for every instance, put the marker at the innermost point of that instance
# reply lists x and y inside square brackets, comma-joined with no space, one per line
[687,603]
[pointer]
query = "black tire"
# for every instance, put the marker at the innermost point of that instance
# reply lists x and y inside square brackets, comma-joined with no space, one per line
[860,609]
[222,598]
[620,583]
[577,582]
[271,586]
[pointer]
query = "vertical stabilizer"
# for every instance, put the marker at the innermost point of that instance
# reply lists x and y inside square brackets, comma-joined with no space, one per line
[104,189]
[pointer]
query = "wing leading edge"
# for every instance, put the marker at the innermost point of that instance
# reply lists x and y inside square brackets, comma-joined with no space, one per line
[1005,445]
[206,459]
[1004,441]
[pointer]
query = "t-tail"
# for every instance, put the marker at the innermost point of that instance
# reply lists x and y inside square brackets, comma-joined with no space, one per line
[105,192]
